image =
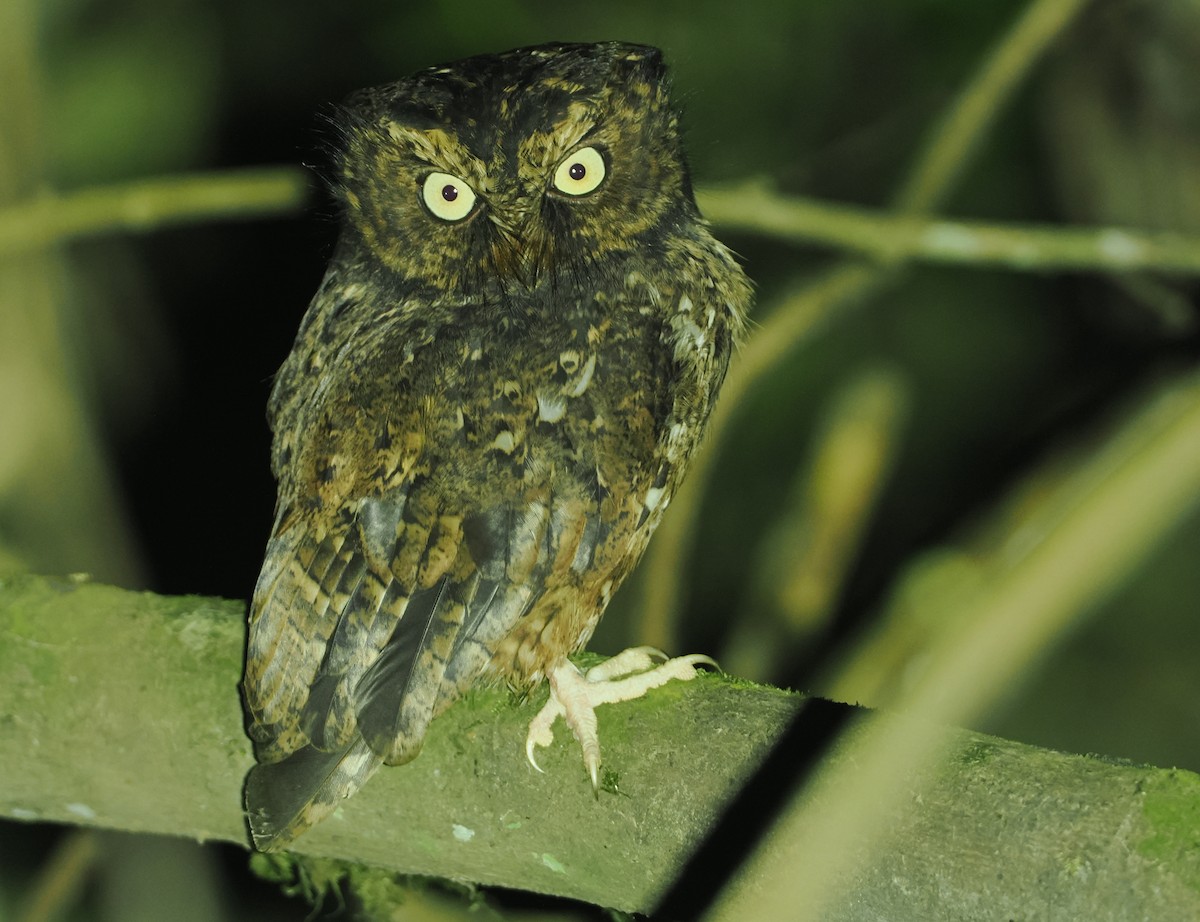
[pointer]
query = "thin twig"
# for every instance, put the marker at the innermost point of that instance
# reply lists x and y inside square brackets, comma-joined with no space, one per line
[979,103]
[756,209]
[149,204]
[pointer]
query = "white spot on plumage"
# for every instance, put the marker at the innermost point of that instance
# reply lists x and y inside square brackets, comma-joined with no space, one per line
[504,441]
[635,280]
[551,407]
[585,377]
[653,497]
[356,760]
[688,338]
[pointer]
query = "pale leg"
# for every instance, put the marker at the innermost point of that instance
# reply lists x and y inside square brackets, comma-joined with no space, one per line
[574,696]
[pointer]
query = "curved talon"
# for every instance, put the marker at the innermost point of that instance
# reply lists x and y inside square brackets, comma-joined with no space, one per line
[694,658]
[530,748]
[541,729]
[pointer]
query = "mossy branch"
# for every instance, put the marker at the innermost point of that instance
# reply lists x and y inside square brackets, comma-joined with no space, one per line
[120,710]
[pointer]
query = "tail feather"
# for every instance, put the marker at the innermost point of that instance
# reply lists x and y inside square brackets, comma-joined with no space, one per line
[285,798]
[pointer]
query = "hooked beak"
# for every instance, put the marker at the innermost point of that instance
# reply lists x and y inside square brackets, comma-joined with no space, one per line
[518,252]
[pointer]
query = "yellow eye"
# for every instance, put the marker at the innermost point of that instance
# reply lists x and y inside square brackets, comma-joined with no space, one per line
[580,173]
[447,197]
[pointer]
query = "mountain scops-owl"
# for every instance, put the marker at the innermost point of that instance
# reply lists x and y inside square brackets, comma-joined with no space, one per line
[489,404]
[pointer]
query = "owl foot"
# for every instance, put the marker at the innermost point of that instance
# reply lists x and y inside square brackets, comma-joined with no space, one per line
[574,695]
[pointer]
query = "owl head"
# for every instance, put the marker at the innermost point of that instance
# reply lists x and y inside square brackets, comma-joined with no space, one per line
[504,172]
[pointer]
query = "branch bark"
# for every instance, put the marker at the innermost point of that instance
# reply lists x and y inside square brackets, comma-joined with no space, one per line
[120,710]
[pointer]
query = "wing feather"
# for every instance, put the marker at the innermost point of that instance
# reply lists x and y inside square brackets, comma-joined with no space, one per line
[285,798]
[405,554]
[391,699]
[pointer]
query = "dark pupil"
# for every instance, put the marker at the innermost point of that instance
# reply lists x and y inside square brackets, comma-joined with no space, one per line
[449,193]
[577,171]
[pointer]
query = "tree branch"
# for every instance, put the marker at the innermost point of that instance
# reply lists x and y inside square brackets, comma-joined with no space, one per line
[756,208]
[149,204]
[120,710]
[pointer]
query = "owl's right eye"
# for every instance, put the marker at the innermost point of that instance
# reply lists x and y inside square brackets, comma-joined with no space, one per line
[447,197]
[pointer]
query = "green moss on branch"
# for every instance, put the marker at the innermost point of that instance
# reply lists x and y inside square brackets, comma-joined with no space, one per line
[121,710]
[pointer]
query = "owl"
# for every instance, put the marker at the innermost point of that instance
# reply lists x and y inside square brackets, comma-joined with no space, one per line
[488,407]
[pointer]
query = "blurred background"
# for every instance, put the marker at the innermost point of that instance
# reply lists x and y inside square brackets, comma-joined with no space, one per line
[884,457]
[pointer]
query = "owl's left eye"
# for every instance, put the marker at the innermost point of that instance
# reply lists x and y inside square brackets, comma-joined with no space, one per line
[581,172]
[447,197]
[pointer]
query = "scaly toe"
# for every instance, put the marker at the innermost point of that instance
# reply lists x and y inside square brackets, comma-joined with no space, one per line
[541,729]
[574,697]
[635,659]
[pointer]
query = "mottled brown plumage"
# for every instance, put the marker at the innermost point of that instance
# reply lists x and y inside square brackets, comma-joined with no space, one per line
[488,407]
